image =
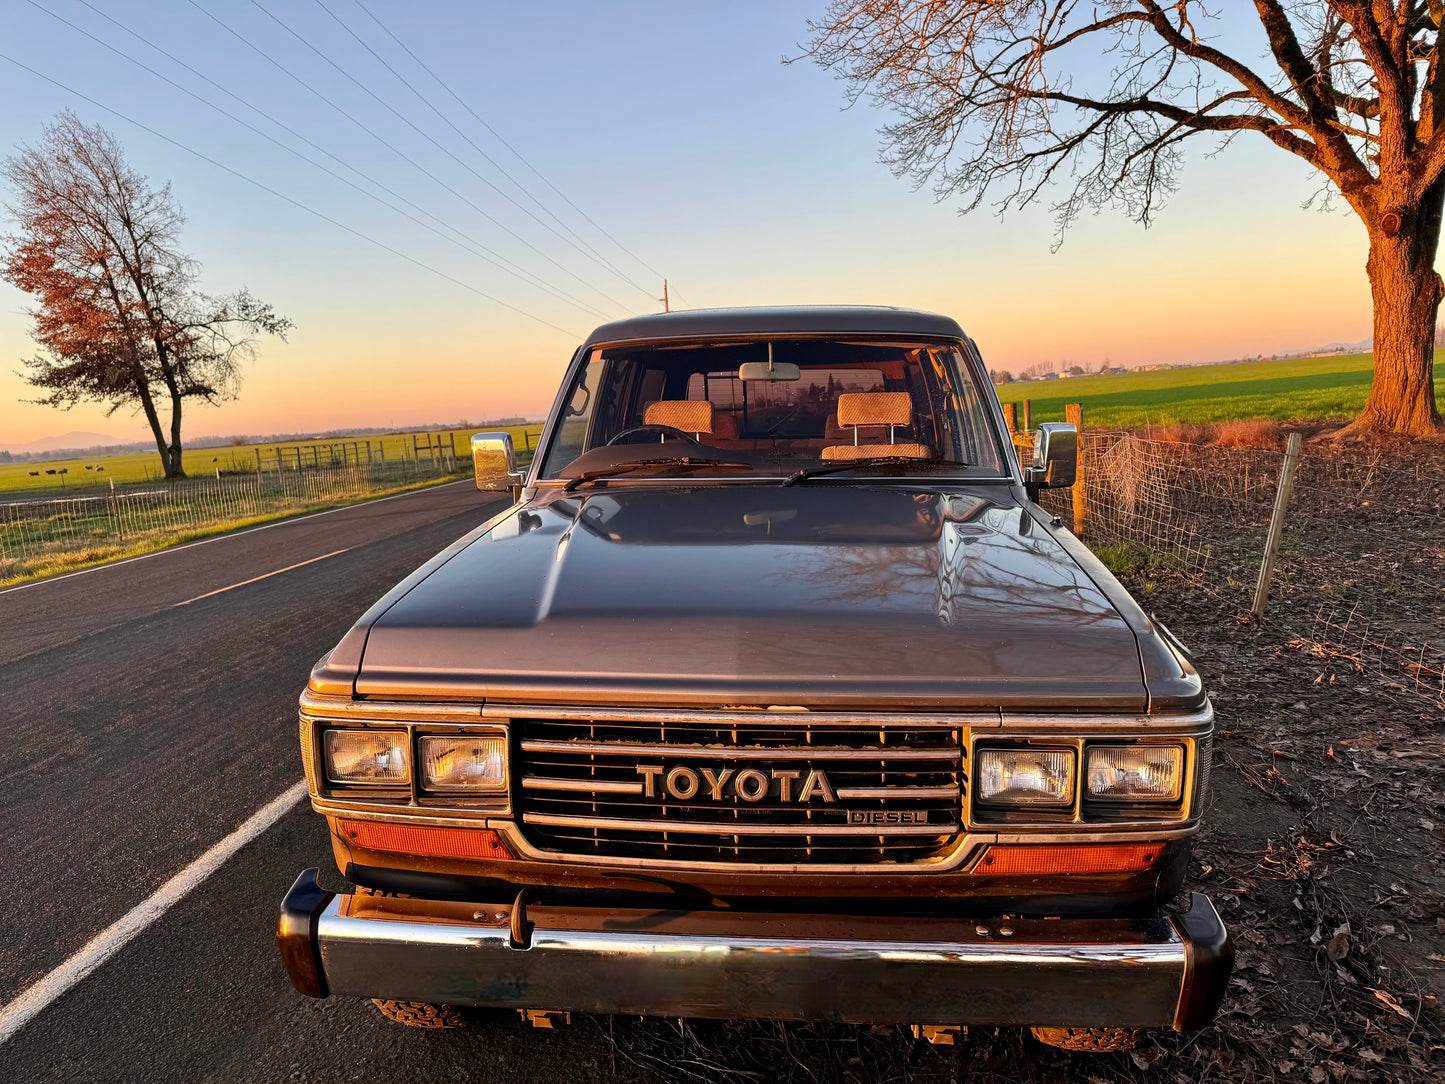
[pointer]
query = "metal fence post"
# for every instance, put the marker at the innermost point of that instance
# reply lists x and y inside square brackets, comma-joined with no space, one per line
[1074,412]
[1276,523]
[113,507]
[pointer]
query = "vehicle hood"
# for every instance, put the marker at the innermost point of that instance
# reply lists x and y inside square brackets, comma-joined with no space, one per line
[816,595]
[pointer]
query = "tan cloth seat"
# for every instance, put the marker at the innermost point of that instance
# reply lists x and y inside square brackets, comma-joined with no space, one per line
[857,408]
[690,415]
[725,426]
[845,452]
[874,409]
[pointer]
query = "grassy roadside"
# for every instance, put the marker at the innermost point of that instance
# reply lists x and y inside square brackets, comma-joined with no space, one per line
[93,472]
[1290,390]
[75,560]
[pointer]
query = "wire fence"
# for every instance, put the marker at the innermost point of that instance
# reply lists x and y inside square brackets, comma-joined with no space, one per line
[43,535]
[1360,572]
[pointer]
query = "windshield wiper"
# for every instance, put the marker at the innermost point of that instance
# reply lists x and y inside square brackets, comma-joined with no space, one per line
[873,461]
[639,464]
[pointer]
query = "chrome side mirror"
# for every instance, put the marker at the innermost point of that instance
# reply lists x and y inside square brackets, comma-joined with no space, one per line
[1056,456]
[495,461]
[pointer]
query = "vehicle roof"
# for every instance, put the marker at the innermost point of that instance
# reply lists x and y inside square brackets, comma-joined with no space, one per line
[777,320]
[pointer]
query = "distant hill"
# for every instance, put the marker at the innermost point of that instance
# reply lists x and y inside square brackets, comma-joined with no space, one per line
[75,441]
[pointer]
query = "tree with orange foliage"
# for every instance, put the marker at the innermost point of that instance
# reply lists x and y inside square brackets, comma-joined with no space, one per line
[1011,96]
[119,318]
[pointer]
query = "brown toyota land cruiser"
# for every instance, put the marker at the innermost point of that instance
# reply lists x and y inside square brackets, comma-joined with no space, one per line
[774,694]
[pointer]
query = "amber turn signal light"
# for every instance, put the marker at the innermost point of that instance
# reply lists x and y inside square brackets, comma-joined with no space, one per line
[426,842]
[1069,858]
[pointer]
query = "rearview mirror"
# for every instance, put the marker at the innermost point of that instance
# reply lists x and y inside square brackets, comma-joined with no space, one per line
[495,461]
[769,370]
[1056,456]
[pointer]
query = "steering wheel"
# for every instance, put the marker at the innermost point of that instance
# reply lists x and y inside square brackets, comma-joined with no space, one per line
[665,429]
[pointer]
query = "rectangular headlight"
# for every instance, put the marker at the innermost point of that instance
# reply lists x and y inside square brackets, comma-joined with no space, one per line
[371,757]
[1132,773]
[476,764]
[1026,776]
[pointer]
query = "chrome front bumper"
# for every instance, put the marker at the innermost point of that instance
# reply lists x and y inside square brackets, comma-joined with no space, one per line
[1165,972]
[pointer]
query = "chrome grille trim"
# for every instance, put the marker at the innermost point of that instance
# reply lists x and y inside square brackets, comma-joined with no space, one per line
[857,791]
[759,752]
[730,828]
[586,786]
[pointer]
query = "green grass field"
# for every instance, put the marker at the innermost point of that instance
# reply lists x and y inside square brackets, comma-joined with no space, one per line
[1298,389]
[145,466]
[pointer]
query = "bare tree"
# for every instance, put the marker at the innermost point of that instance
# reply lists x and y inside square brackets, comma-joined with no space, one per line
[1012,96]
[119,318]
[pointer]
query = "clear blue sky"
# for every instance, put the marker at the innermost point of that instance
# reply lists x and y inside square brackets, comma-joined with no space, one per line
[678,129]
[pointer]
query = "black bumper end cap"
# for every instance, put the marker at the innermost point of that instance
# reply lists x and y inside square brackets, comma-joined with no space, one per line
[296,933]
[1211,960]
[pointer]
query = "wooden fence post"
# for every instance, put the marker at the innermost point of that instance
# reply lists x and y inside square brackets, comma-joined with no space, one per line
[1028,416]
[1074,412]
[1011,416]
[1276,524]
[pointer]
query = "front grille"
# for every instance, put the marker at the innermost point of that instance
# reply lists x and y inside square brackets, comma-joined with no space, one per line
[762,793]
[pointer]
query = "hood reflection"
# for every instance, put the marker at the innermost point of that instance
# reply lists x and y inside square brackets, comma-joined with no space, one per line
[740,515]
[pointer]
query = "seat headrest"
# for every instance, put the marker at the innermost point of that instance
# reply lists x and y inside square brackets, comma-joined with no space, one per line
[689,415]
[875,408]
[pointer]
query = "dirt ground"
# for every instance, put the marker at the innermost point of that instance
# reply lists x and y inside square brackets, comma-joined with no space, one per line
[1323,845]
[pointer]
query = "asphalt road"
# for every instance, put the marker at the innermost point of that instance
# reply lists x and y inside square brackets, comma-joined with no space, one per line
[142,723]
[137,733]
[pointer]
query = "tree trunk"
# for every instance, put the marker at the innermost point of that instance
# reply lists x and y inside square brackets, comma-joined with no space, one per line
[175,469]
[143,392]
[1406,292]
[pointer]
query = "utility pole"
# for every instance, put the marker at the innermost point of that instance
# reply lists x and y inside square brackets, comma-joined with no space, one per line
[665,306]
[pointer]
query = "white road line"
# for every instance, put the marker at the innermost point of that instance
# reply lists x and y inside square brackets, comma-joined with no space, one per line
[34,1000]
[257,579]
[224,537]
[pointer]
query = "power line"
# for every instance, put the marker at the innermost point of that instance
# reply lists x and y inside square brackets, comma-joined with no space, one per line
[498,137]
[399,153]
[469,141]
[485,254]
[587,251]
[285,198]
[429,138]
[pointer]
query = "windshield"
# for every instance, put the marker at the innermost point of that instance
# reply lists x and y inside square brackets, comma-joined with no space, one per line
[775,408]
